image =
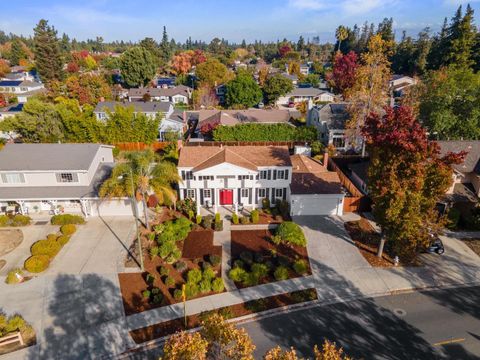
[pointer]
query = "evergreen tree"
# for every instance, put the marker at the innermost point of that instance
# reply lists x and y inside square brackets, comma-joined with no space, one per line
[165,46]
[138,66]
[462,39]
[436,56]
[48,59]
[16,53]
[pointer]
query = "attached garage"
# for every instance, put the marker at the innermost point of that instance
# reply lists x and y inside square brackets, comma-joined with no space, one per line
[314,190]
[316,204]
[114,207]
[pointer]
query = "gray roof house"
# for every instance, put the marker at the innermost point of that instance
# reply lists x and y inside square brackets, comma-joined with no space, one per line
[56,178]
[330,121]
[301,94]
[178,94]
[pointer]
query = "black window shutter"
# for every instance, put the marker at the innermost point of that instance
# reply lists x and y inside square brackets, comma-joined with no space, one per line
[284,193]
[256,196]
[213,195]
[250,196]
[274,174]
[201,196]
[183,174]
[184,193]
[239,196]
[273,196]
[267,193]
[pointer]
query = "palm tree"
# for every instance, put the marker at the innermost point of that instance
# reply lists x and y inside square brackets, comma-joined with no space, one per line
[147,175]
[341,34]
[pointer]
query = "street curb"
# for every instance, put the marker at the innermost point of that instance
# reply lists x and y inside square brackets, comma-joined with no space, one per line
[152,344]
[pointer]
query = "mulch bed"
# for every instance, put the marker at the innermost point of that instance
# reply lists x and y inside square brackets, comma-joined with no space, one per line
[169,327]
[133,284]
[199,244]
[367,240]
[473,244]
[258,241]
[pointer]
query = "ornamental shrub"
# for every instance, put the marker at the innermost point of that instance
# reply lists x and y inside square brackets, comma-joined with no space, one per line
[64,219]
[146,294]
[150,278]
[281,273]
[172,231]
[191,290]
[218,226]
[68,229]
[52,237]
[12,277]
[63,239]
[244,220]
[237,274]
[154,251]
[238,263]
[291,233]
[235,219]
[215,260]
[164,271]
[37,263]
[453,218]
[266,203]
[217,217]
[181,266]
[177,294]
[157,299]
[205,286]
[300,267]
[246,257]
[208,274]
[170,281]
[49,248]
[207,221]
[20,220]
[255,216]
[251,279]
[261,270]
[194,276]
[166,249]
[191,214]
[217,285]
[198,219]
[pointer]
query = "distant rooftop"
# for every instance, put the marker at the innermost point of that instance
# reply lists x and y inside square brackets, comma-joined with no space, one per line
[139,106]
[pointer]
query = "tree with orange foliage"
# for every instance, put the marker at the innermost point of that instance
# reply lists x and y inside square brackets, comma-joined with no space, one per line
[4,68]
[185,346]
[87,88]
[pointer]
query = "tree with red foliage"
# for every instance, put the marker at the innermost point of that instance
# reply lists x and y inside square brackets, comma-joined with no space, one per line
[284,50]
[406,178]
[88,88]
[3,101]
[344,70]
[72,67]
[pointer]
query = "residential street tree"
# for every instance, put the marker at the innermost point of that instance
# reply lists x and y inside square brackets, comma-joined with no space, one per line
[449,103]
[243,91]
[138,66]
[88,88]
[276,86]
[205,96]
[343,75]
[341,34]
[370,89]
[48,58]
[16,52]
[406,178]
[212,73]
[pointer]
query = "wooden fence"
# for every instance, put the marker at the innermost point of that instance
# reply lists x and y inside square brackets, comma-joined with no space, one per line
[357,201]
[139,146]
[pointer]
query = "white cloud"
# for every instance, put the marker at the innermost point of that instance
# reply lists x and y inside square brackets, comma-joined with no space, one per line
[309,4]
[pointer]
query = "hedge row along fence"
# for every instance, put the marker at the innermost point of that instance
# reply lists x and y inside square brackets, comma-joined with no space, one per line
[263,132]
[44,251]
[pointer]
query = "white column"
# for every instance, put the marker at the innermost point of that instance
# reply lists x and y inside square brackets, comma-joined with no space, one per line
[83,203]
[217,200]
[20,203]
[197,200]
[254,202]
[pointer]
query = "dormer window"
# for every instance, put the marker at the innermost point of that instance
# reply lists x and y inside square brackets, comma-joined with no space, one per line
[67,177]
[13,178]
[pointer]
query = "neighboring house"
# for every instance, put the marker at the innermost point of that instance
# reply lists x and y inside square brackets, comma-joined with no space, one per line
[213,118]
[10,111]
[330,121]
[151,109]
[176,123]
[57,178]
[314,190]
[305,69]
[233,177]
[301,94]
[292,77]
[21,89]
[165,82]
[177,95]
[398,84]
[467,174]
[19,76]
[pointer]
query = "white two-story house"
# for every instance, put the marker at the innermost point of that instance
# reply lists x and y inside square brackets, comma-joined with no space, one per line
[56,178]
[234,177]
[21,89]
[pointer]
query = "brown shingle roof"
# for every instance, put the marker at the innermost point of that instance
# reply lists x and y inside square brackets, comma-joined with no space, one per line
[250,157]
[471,162]
[310,177]
[233,117]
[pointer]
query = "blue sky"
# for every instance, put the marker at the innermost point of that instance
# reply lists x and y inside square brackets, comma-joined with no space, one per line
[231,19]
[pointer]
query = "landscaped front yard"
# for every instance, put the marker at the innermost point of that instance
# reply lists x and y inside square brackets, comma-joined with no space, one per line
[257,259]
[174,255]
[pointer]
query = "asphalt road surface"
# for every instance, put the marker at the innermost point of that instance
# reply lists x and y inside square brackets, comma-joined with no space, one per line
[441,324]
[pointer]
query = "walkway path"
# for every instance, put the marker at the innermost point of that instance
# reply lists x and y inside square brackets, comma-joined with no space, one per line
[222,238]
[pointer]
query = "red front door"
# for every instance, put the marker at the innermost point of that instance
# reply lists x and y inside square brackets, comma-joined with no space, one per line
[226,197]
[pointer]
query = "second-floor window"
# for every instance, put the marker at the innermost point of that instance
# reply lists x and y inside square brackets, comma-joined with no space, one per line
[263,174]
[245,177]
[280,174]
[205,177]
[67,177]
[13,178]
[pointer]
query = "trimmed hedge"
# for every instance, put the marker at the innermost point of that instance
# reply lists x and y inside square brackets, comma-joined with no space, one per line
[17,220]
[217,285]
[281,273]
[49,248]
[64,219]
[68,229]
[63,239]
[291,233]
[37,263]
[264,132]
[300,267]
[12,276]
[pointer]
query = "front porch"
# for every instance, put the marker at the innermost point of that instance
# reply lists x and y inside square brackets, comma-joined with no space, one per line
[225,211]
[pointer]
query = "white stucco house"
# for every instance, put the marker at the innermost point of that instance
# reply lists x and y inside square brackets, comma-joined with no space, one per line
[56,178]
[238,177]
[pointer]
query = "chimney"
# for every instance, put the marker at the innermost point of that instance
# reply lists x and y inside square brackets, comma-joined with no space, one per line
[325,160]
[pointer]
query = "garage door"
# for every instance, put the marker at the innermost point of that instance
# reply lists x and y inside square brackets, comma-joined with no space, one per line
[111,208]
[316,205]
